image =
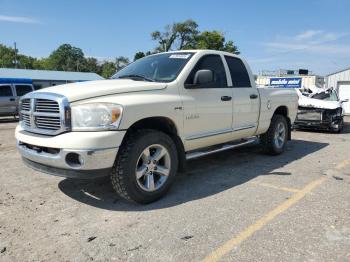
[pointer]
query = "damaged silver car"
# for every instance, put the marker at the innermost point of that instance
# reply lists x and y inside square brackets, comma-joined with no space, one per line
[320,109]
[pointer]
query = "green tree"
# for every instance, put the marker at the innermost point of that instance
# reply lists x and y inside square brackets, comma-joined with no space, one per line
[107,69]
[185,35]
[215,40]
[139,55]
[176,36]
[66,58]
[91,65]
[7,59]
[121,62]
[7,56]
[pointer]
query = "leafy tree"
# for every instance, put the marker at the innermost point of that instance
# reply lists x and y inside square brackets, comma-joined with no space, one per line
[139,55]
[176,36]
[7,59]
[121,62]
[215,40]
[91,65]
[231,48]
[66,58]
[107,69]
[185,35]
[7,56]
[187,32]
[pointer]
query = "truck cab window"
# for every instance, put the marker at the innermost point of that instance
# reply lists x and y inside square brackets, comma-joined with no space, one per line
[238,71]
[213,63]
[5,91]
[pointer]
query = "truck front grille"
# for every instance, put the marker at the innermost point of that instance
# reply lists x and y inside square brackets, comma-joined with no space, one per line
[45,105]
[45,113]
[25,104]
[48,122]
[26,120]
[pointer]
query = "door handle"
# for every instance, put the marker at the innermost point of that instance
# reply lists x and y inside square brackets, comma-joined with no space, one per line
[12,99]
[253,96]
[226,98]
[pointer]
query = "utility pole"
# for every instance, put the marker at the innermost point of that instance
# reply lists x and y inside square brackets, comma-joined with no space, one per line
[15,55]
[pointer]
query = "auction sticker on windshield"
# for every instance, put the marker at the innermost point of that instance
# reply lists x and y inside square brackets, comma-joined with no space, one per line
[180,56]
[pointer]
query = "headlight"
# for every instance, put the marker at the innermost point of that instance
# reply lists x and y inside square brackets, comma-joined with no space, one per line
[96,116]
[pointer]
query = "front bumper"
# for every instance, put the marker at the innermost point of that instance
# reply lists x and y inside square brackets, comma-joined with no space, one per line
[318,118]
[80,163]
[75,154]
[318,124]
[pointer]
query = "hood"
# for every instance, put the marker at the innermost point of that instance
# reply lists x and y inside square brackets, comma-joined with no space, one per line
[305,101]
[89,89]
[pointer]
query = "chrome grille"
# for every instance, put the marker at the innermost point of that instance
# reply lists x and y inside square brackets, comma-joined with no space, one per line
[45,105]
[45,113]
[25,104]
[48,122]
[26,120]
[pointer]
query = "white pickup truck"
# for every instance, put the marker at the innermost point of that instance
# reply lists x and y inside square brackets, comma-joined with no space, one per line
[141,126]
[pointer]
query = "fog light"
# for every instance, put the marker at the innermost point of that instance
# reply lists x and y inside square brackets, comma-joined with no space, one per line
[74,160]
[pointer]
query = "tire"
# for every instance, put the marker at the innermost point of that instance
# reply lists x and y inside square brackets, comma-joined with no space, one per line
[136,166]
[340,127]
[273,143]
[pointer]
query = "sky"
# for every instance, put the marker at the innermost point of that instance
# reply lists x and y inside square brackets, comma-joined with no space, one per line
[271,35]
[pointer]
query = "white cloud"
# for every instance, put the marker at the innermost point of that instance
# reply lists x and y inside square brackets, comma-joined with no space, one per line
[310,41]
[319,50]
[19,19]
[308,34]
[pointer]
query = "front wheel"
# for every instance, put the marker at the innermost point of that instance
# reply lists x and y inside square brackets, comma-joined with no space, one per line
[339,127]
[275,139]
[145,167]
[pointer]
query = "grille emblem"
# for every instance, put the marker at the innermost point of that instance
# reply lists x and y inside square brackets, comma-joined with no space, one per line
[31,113]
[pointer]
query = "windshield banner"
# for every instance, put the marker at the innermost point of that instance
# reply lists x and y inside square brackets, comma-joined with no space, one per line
[286,82]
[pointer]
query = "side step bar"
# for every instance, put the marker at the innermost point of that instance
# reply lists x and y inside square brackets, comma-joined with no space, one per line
[219,148]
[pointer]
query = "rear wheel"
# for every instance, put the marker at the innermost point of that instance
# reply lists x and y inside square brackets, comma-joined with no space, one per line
[275,139]
[145,167]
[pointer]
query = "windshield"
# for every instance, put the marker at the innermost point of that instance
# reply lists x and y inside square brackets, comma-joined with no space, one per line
[326,96]
[156,68]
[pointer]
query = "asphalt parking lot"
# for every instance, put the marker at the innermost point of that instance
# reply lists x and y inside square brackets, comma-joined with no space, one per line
[239,205]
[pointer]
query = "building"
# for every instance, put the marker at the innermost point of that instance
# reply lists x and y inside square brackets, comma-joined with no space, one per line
[46,78]
[289,79]
[340,81]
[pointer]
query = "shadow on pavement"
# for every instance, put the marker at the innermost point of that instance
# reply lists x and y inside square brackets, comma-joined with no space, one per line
[204,177]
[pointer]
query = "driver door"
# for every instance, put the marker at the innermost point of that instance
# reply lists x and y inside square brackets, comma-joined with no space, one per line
[207,108]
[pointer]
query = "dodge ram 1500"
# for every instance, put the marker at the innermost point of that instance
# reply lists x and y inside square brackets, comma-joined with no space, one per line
[142,125]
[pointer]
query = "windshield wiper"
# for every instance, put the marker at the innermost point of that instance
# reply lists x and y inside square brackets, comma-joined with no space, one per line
[137,76]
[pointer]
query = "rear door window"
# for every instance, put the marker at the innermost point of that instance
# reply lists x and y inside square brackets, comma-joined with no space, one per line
[5,91]
[21,90]
[238,71]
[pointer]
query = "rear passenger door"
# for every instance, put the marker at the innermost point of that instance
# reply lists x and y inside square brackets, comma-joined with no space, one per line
[8,104]
[246,101]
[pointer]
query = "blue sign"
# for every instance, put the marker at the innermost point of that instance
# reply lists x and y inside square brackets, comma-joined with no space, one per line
[286,82]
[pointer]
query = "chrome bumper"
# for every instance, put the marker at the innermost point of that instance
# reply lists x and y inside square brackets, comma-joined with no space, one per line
[86,162]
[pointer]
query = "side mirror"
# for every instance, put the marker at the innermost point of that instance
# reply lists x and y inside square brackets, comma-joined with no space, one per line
[201,78]
[344,100]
